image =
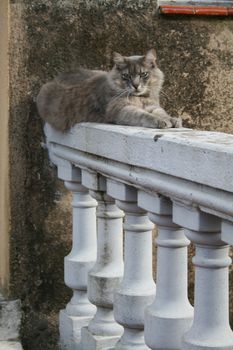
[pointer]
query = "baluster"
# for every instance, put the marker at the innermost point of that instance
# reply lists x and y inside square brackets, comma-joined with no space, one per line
[137,288]
[79,311]
[210,328]
[171,313]
[103,332]
[227,231]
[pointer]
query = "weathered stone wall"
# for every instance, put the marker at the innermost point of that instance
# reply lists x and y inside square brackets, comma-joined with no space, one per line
[51,36]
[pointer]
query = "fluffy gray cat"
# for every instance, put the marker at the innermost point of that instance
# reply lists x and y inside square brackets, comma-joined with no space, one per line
[126,95]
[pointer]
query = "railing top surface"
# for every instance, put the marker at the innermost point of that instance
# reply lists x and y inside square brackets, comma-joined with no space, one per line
[200,156]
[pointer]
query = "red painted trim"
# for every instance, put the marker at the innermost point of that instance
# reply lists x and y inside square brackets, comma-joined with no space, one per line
[197,10]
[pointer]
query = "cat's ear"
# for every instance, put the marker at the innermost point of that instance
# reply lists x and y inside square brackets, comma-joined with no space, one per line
[150,58]
[119,60]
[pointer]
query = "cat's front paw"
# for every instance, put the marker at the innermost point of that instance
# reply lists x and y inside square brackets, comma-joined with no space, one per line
[176,122]
[163,123]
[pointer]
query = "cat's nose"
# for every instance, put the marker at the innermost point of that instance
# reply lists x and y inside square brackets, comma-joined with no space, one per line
[135,85]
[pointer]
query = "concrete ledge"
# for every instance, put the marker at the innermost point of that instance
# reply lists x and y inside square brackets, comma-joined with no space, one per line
[10,345]
[183,153]
[173,162]
[10,319]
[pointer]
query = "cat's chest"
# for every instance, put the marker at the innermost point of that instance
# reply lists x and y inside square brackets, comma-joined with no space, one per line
[142,102]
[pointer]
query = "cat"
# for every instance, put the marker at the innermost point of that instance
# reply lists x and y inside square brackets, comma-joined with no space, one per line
[127,95]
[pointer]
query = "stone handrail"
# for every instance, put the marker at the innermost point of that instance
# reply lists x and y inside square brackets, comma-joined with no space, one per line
[182,181]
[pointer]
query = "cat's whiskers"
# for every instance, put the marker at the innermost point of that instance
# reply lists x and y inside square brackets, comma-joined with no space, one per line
[119,95]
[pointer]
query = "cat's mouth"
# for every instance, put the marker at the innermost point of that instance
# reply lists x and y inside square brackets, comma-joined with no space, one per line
[143,92]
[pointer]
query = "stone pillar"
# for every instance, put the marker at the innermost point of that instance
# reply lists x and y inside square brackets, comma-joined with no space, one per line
[79,311]
[210,328]
[5,151]
[103,332]
[171,314]
[137,288]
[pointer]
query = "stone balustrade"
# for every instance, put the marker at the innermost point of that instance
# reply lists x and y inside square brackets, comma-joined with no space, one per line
[126,179]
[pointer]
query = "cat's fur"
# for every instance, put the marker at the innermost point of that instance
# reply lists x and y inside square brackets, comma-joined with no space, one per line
[127,95]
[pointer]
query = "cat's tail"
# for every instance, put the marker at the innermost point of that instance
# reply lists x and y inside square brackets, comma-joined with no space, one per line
[48,103]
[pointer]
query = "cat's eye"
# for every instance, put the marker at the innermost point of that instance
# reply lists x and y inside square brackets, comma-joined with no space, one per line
[144,75]
[125,76]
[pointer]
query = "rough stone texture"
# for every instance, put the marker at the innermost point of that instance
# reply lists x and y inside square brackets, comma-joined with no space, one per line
[57,35]
[10,345]
[10,317]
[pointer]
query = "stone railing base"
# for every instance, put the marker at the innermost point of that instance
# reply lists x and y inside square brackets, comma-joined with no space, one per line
[70,330]
[96,342]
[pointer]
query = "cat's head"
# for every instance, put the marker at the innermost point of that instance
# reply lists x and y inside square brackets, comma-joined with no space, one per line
[135,74]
